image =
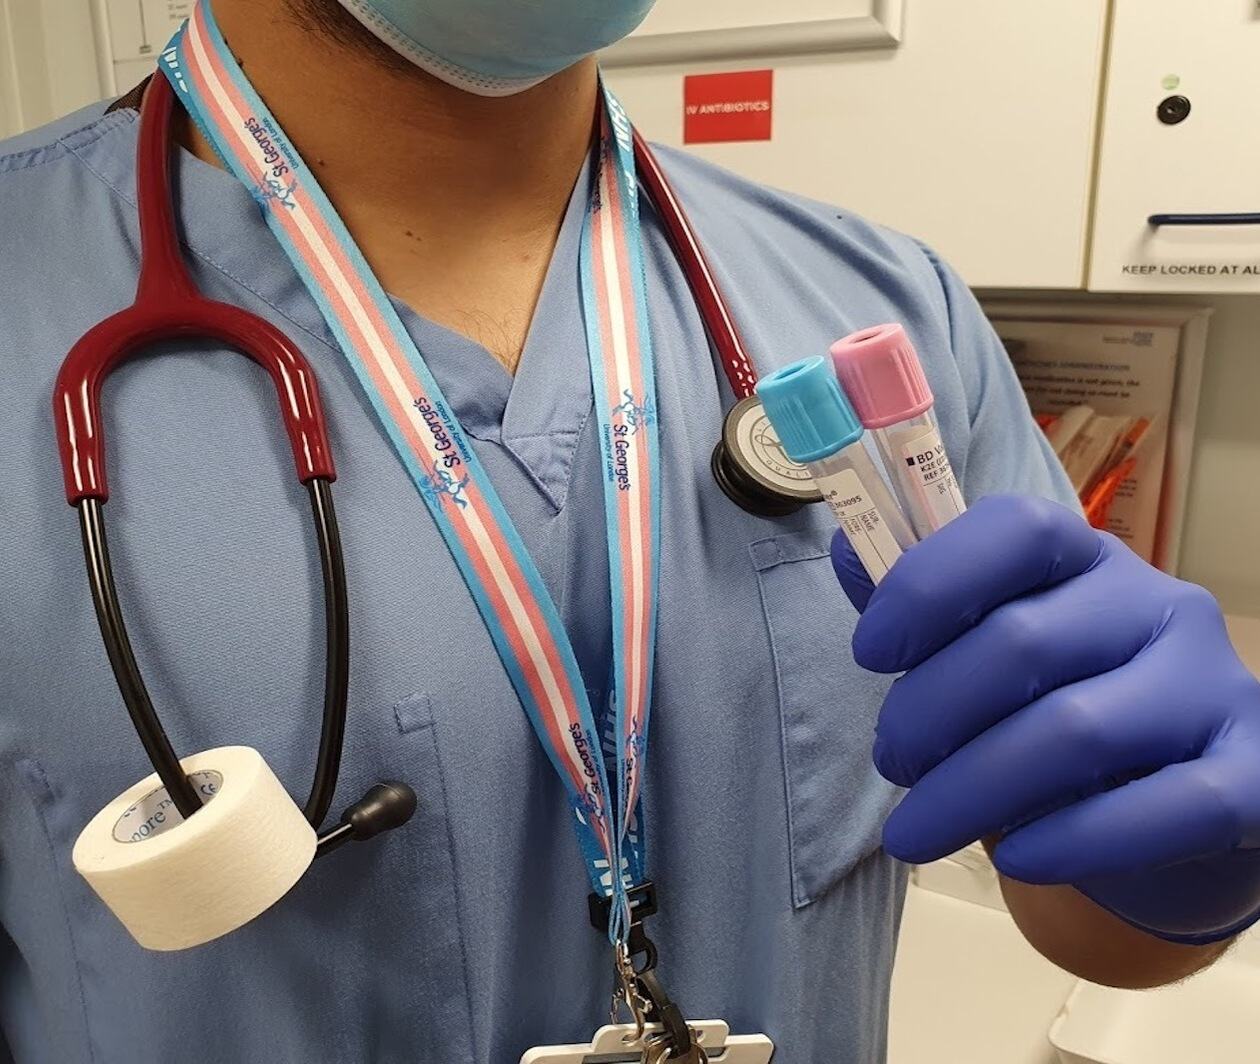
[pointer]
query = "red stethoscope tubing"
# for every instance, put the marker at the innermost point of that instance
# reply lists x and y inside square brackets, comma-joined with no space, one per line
[718,322]
[167,306]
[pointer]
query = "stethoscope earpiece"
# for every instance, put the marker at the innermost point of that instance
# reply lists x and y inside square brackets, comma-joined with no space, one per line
[752,469]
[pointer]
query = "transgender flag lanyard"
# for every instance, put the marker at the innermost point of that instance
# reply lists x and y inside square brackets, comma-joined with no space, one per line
[518,612]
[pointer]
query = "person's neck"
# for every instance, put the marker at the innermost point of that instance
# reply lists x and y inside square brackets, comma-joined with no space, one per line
[455,200]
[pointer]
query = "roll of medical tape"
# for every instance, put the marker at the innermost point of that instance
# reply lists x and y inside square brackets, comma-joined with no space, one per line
[178,883]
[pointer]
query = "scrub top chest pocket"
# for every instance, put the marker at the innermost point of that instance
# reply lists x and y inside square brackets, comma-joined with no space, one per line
[836,802]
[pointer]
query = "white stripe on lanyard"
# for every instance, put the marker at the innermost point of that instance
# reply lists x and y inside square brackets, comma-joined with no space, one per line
[519,614]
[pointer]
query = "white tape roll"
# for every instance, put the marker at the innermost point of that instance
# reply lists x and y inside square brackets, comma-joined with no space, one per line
[177,883]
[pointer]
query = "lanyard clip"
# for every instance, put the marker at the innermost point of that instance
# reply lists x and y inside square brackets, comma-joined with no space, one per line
[626,991]
[647,997]
[643,903]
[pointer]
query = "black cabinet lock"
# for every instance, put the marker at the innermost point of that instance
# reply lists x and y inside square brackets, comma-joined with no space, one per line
[1174,110]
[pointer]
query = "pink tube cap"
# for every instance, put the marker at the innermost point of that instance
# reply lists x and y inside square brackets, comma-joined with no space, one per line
[882,375]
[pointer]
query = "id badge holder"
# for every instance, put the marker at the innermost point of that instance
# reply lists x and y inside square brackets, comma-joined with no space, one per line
[610,1046]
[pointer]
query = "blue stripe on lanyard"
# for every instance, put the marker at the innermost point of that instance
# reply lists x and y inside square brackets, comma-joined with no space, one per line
[519,614]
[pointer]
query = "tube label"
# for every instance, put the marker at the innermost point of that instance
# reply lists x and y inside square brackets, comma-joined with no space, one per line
[930,480]
[865,527]
[155,813]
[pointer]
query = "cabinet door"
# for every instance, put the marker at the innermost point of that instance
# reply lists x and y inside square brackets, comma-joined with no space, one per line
[1181,144]
[969,123]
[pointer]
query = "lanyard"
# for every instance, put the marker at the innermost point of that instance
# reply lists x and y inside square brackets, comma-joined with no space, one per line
[518,612]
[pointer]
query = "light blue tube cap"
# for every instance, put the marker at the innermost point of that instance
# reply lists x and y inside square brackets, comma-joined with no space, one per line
[810,413]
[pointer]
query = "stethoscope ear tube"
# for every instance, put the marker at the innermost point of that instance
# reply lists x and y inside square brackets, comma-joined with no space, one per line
[718,321]
[337,653]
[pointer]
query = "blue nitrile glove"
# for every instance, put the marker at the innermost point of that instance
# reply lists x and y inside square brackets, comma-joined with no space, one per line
[1064,694]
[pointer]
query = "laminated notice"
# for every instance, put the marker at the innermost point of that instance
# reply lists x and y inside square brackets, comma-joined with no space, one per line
[860,520]
[930,479]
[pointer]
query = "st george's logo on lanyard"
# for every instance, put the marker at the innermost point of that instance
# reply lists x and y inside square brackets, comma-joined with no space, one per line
[603,779]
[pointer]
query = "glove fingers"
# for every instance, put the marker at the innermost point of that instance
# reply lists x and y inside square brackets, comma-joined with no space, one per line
[1002,548]
[1072,743]
[1175,815]
[1017,654]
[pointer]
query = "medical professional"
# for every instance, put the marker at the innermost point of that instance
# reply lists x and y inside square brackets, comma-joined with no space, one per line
[1060,699]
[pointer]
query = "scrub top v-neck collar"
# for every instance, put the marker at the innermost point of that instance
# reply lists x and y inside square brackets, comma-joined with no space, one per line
[537,415]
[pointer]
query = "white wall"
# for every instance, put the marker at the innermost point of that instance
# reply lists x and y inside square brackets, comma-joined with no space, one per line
[48,61]
[10,114]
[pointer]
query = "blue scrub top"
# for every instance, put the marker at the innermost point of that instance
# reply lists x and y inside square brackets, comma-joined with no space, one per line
[463,937]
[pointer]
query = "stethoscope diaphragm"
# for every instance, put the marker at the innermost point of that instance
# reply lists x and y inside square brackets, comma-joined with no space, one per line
[752,468]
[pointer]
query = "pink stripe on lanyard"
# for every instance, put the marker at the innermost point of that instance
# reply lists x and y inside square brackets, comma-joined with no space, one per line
[613,270]
[631,622]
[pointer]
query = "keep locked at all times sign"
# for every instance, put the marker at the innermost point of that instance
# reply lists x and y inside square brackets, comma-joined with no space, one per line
[1192,269]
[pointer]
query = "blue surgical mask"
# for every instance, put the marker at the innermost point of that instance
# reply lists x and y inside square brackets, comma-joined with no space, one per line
[498,47]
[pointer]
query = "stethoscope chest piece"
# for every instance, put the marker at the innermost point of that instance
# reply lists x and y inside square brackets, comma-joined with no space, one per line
[752,468]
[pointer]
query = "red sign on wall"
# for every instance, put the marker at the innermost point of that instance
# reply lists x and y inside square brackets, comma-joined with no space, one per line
[720,108]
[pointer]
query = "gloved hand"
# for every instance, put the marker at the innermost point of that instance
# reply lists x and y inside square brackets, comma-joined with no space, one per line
[1062,693]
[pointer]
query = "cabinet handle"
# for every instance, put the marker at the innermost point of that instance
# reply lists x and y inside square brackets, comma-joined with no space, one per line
[1204,219]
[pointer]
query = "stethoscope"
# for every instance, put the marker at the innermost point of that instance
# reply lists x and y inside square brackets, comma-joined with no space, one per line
[748,462]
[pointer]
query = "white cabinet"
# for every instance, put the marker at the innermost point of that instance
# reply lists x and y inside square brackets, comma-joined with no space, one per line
[969,123]
[974,124]
[1197,55]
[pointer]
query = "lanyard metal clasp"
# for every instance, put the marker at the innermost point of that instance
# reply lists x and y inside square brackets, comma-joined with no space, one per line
[626,991]
[637,985]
